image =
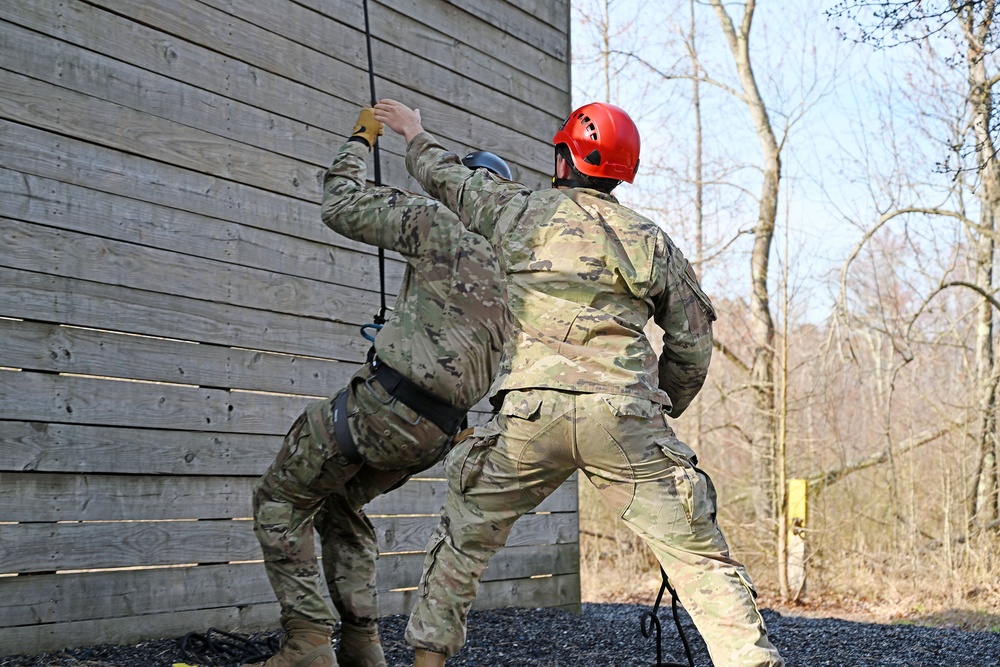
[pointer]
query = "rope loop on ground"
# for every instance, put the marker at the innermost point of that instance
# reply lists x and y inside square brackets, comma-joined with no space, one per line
[218,648]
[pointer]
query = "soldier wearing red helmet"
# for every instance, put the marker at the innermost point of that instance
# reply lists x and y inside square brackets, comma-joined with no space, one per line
[601,143]
[580,387]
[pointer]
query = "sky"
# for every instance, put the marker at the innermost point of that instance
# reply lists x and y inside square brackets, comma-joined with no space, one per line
[841,102]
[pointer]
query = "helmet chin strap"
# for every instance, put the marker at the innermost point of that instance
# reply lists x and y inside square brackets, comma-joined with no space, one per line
[563,182]
[566,183]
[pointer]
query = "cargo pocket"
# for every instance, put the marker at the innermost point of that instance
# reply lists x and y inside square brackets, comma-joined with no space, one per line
[430,561]
[272,524]
[465,462]
[684,480]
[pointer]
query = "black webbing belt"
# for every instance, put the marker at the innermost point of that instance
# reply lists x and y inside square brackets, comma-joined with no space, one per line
[446,416]
[341,430]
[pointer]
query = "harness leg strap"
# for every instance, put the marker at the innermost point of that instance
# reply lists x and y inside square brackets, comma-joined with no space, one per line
[342,430]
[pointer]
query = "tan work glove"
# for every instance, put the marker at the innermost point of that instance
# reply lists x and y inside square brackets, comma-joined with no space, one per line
[367,128]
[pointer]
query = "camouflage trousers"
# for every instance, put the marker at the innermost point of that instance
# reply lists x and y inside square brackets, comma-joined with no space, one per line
[648,476]
[313,484]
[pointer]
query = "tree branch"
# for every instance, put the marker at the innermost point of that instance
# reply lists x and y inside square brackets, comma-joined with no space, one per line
[730,354]
[819,481]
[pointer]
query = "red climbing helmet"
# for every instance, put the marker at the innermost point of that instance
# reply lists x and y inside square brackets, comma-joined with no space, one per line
[603,141]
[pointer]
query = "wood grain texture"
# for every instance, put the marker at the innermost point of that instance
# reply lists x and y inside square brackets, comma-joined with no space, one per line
[170,299]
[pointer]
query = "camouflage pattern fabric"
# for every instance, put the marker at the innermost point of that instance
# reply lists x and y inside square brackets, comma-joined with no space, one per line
[625,447]
[581,389]
[450,319]
[445,333]
[584,274]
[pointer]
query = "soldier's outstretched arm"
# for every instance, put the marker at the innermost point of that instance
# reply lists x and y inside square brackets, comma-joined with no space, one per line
[685,314]
[384,217]
[473,195]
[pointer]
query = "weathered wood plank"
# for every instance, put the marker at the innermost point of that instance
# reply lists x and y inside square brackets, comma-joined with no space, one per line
[471,48]
[49,547]
[60,349]
[35,296]
[304,46]
[199,66]
[554,12]
[100,76]
[50,637]
[498,13]
[67,448]
[471,32]
[59,598]
[96,259]
[286,61]
[322,257]
[50,447]
[73,448]
[122,83]
[431,33]
[60,158]
[74,545]
[559,590]
[84,400]
[397,62]
[47,497]
[49,107]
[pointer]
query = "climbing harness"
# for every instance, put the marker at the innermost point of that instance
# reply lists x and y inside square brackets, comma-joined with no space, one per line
[650,621]
[216,648]
[379,318]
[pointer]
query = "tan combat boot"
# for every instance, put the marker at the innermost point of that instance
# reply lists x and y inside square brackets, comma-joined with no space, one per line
[306,644]
[428,659]
[359,647]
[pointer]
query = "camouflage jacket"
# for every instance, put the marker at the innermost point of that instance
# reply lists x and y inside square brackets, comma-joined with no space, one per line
[584,275]
[449,322]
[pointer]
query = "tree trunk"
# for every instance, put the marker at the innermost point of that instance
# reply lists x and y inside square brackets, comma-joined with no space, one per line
[984,506]
[764,420]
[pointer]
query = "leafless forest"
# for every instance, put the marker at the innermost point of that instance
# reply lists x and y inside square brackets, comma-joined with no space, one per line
[831,171]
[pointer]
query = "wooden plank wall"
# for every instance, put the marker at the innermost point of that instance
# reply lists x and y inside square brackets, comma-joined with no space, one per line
[170,300]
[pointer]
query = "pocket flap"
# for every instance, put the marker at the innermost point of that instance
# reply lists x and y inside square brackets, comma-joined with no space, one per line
[521,404]
[677,451]
[632,406]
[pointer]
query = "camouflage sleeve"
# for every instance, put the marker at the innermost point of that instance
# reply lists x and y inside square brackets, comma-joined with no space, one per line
[475,196]
[384,217]
[685,314]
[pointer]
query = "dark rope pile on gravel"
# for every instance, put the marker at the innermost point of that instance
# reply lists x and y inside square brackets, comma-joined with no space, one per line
[609,635]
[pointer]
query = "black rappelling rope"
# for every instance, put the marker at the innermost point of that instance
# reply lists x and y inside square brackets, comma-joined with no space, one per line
[650,621]
[379,319]
[216,648]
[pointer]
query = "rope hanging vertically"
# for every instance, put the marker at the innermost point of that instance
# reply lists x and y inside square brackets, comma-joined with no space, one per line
[380,316]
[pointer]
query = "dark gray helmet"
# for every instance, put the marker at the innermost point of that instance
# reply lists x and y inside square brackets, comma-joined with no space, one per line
[487,160]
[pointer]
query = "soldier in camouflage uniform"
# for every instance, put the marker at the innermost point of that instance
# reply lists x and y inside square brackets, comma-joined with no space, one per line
[431,361]
[580,387]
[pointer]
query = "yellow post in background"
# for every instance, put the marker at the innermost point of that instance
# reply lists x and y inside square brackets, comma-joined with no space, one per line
[796,539]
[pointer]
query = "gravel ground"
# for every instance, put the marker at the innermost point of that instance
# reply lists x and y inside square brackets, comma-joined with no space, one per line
[607,635]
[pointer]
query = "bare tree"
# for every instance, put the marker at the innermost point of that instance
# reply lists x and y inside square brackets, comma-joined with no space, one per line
[971,26]
[762,324]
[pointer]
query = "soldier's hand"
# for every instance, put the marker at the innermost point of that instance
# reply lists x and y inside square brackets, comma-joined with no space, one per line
[399,117]
[367,128]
